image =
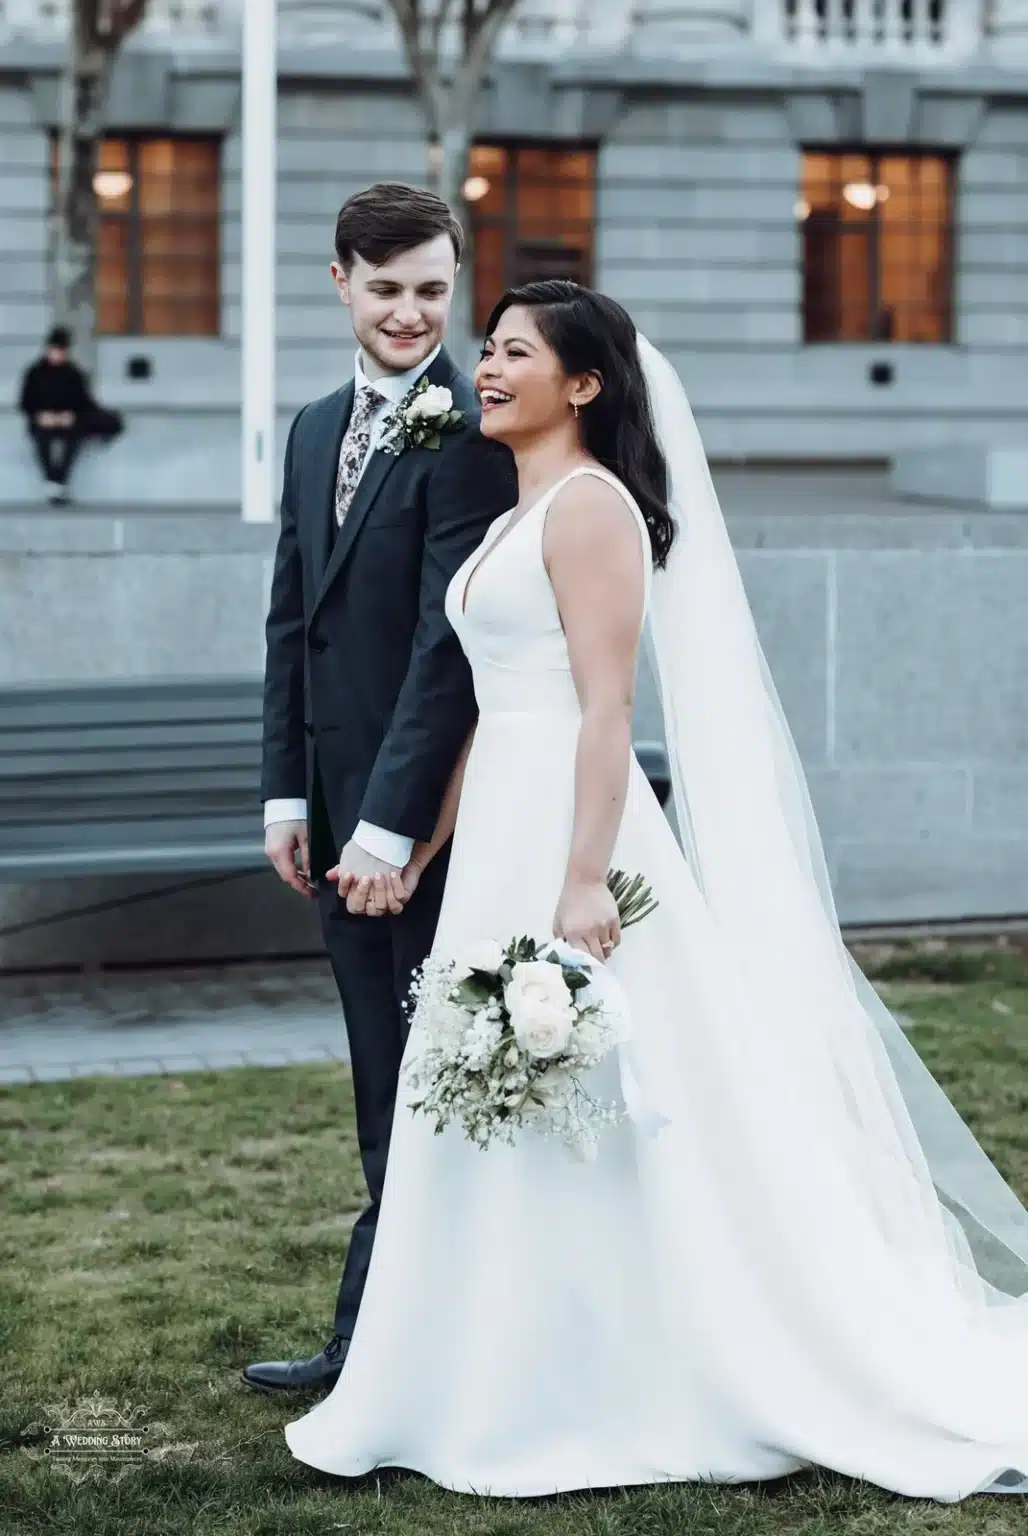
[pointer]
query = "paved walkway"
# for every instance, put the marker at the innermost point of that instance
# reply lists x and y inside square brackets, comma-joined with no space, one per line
[132,1023]
[128,1023]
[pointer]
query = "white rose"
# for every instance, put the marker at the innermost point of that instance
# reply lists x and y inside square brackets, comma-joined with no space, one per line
[433,401]
[542,1031]
[486,955]
[537,981]
[540,1007]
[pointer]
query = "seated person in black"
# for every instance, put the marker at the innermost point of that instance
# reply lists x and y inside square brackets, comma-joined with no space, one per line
[60,412]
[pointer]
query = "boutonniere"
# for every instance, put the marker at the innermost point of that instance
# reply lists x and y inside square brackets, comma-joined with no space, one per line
[420,419]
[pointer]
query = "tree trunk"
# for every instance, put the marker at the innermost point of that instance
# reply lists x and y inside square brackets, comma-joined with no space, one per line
[97,29]
[455,149]
[449,108]
[82,120]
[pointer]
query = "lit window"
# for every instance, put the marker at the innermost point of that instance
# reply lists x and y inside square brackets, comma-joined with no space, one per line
[532,214]
[877,238]
[158,237]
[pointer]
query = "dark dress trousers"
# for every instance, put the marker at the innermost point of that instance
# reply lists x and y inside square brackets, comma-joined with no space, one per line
[368,700]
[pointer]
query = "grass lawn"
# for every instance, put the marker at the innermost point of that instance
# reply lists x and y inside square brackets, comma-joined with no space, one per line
[160,1232]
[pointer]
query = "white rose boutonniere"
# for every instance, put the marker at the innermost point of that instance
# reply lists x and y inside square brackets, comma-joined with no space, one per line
[420,419]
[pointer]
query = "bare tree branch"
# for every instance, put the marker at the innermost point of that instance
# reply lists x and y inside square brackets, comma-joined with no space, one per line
[438,24]
[448,90]
[98,28]
[480,39]
[113,20]
[424,66]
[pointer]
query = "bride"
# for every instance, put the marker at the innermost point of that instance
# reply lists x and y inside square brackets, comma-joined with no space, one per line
[811,1261]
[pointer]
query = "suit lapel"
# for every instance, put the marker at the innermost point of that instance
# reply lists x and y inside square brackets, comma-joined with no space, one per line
[380,466]
[369,488]
[324,473]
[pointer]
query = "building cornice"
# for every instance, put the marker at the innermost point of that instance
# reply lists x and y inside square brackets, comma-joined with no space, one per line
[577,96]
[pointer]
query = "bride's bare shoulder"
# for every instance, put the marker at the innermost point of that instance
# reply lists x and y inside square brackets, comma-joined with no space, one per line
[589,518]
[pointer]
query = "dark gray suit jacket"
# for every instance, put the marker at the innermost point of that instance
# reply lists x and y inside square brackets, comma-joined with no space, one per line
[368,696]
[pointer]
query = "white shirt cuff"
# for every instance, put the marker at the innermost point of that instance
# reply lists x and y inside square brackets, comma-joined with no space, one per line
[391,847]
[284,810]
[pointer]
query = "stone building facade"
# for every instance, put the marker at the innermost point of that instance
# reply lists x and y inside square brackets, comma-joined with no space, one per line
[818,208]
[701,131]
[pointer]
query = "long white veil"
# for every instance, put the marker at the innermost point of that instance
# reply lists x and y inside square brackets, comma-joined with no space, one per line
[749,834]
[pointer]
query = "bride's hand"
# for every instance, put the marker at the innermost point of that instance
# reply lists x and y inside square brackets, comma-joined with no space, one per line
[400,887]
[587,918]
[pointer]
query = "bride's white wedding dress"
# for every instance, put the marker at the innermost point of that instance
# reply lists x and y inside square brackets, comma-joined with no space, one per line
[731,1299]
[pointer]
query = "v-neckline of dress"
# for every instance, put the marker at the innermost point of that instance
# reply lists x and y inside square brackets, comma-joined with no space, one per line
[489,547]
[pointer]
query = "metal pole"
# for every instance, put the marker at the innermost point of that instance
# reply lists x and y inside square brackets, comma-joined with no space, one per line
[260,100]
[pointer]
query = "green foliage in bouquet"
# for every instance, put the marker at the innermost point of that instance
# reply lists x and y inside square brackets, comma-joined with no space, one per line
[635,900]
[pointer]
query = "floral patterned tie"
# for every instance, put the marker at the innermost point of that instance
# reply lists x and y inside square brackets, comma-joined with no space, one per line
[355,447]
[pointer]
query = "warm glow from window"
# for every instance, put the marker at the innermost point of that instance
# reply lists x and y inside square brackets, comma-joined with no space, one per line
[533,217]
[862,195]
[158,237]
[110,185]
[877,246]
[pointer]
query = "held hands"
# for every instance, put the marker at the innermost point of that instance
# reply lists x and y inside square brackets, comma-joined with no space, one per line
[371,887]
[587,918]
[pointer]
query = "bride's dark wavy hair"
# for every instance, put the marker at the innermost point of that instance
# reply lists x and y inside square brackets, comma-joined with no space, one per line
[592,334]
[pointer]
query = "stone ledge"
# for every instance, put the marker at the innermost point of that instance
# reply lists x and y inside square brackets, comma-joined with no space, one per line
[768,511]
[994,478]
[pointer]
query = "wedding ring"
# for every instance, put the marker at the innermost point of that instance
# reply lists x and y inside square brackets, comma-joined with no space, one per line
[607,947]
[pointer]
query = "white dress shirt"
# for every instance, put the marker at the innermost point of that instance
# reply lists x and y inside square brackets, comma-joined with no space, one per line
[392,847]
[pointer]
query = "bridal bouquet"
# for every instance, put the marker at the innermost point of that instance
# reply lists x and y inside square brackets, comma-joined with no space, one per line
[506,1032]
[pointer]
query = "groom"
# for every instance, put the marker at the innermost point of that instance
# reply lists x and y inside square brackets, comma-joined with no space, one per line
[368,697]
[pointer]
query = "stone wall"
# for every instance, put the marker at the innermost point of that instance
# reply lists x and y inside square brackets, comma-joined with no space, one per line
[991,288]
[898,639]
[24,173]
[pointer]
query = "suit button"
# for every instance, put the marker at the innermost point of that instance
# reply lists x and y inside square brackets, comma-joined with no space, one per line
[318,644]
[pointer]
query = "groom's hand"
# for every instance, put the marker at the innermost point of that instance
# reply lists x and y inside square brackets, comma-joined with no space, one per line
[285,843]
[363,881]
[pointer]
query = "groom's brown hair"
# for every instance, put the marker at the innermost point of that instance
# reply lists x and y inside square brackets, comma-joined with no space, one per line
[389,218]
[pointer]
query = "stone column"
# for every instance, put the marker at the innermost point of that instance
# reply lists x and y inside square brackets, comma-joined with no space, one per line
[674,24]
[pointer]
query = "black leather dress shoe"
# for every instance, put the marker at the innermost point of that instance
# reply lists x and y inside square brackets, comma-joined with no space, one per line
[321,1370]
